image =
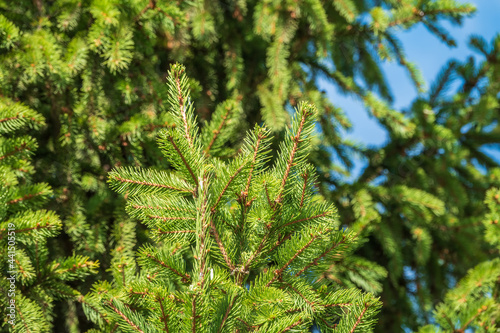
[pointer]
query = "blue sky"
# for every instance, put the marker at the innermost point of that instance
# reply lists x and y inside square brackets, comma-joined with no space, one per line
[430,54]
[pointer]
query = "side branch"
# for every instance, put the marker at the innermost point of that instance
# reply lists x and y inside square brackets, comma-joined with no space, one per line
[255,151]
[164,316]
[296,140]
[124,317]
[287,237]
[170,218]
[193,305]
[19,117]
[176,231]
[280,271]
[124,180]
[311,304]
[305,176]
[252,327]
[227,314]
[37,227]
[227,186]
[16,150]
[182,108]
[337,304]
[81,299]
[292,326]
[163,208]
[359,319]
[307,219]
[26,197]
[315,261]
[261,245]
[185,277]
[217,132]
[221,246]
[171,139]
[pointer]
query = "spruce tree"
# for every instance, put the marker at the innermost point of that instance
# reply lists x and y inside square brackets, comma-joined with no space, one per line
[427,189]
[31,278]
[237,245]
[474,304]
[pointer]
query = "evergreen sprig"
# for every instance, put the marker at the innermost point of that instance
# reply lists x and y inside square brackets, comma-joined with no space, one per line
[243,250]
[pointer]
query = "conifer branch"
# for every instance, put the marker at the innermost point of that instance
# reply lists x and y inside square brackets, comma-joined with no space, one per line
[448,320]
[15,150]
[193,306]
[22,320]
[175,209]
[221,246]
[419,15]
[252,257]
[296,140]
[337,304]
[182,107]
[37,227]
[150,5]
[124,180]
[171,139]
[292,326]
[260,136]
[287,237]
[311,304]
[315,261]
[170,218]
[307,218]
[131,323]
[252,327]
[227,186]
[81,299]
[217,131]
[280,241]
[226,315]
[185,277]
[26,197]
[471,319]
[359,319]
[164,316]
[326,323]
[350,14]
[305,176]
[202,246]
[175,231]
[9,118]
[20,117]
[268,198]
[278,272]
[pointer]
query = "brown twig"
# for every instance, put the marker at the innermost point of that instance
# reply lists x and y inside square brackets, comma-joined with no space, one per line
[171,139]
[221,246]
[278,272]
[185,277]
[124,180]
[359,319]
[131,323]
[315,261]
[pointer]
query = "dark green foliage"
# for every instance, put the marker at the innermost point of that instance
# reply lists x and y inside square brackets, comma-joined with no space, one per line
[39,279]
